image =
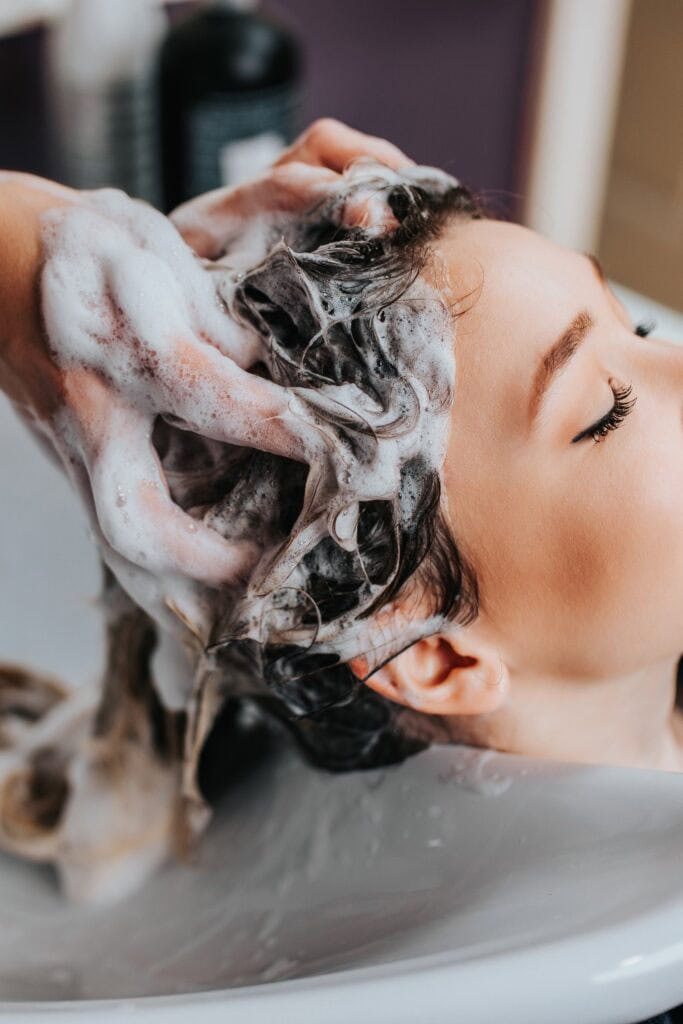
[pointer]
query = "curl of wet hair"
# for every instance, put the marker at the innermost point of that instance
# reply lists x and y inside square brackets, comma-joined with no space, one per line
[336,720]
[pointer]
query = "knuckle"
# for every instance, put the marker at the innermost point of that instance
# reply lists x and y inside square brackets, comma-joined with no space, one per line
[293,178]
[283,174]
[323,127]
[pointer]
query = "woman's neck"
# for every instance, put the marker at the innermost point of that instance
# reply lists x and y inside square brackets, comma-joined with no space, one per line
[630,720]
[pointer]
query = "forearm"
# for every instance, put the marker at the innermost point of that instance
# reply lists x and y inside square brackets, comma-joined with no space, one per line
[23,197]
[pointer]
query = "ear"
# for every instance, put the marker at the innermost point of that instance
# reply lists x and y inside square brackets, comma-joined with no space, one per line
[451,673]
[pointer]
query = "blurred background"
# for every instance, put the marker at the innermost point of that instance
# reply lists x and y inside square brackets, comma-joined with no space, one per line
[566,114]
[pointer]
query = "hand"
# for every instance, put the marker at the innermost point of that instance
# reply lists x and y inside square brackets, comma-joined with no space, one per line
[111,322]
[308,171]
[118,324]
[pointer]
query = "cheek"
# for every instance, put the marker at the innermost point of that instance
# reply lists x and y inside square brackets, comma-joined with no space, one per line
[583,573]
[630,546]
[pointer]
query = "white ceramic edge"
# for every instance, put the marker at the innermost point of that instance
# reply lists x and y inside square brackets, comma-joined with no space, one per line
[595,980]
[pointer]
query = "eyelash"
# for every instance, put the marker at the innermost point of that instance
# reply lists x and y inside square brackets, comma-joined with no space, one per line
[614,418]
[645,328]
[622,403]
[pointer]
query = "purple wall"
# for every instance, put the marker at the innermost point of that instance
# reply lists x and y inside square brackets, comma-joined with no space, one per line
[443,79]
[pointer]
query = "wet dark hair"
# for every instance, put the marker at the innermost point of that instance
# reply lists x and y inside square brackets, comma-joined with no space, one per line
[337,721]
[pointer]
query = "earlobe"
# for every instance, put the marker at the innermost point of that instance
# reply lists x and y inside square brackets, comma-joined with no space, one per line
[445,674]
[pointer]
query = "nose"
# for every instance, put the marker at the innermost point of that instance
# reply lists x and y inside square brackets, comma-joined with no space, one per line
[661,356]
[660,367]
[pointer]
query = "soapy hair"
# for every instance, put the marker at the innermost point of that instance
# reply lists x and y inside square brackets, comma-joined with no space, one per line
[320,299]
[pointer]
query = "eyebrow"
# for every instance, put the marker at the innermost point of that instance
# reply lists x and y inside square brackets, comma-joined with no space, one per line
[563,350]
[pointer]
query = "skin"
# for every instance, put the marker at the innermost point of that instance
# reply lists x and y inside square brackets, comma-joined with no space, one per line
[577,547]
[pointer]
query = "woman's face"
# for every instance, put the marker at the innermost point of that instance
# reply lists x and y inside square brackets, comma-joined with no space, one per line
[577,543]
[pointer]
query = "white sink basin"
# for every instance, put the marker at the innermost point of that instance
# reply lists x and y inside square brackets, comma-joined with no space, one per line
[461,886]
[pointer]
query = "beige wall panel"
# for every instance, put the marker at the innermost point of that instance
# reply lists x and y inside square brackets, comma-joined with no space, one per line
[642,233]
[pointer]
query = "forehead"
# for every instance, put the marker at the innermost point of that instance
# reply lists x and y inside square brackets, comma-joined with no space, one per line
[513,293]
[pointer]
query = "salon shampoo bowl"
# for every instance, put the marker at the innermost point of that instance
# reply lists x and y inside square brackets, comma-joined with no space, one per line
[462,885]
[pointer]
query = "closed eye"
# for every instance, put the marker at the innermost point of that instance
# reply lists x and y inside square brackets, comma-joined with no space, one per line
[623,405]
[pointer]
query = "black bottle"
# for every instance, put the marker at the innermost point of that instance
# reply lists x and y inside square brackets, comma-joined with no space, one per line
[229,80]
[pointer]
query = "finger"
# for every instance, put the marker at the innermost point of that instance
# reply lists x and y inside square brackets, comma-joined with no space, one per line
[164,601]
[206,392]
[141,522]
[332,144]
[210,223]
[167,601]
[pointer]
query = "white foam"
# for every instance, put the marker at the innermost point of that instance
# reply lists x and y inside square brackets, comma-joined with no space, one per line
[142,328]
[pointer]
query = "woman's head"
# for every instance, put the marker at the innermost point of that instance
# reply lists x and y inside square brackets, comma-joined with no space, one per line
[510,553]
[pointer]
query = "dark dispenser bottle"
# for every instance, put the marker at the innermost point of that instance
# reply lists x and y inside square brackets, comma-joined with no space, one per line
[229,80]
